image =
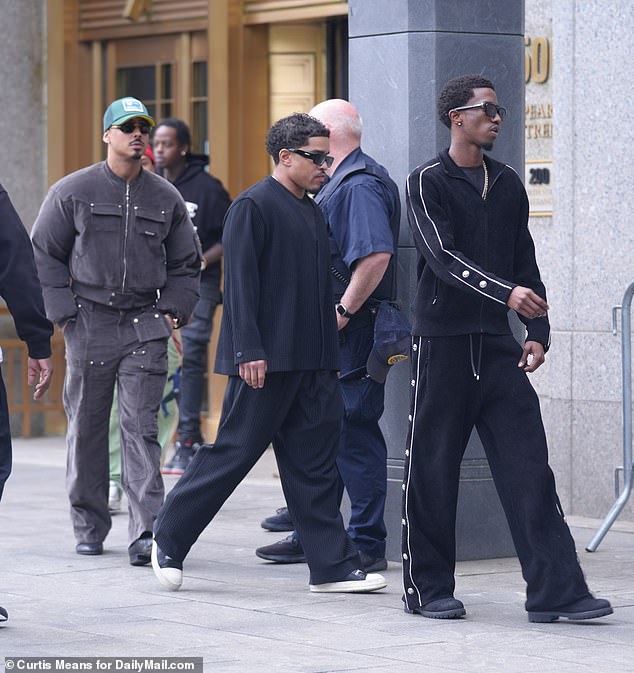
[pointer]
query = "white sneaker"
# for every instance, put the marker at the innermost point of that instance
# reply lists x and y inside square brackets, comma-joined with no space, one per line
[355,583]
[114,497]
[168,571]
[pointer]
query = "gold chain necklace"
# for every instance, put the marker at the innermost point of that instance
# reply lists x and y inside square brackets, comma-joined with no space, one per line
[485,189]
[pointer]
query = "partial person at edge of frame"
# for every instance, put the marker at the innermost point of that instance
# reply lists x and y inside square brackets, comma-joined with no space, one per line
[22,292]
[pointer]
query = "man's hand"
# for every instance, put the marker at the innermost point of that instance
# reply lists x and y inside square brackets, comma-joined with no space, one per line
[171,321]
[39,374]
[367,273]
[341,321]
[532,356]
[253,373]
[527,303]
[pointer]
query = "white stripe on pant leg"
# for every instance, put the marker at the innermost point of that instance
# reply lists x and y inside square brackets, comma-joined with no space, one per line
[407,476]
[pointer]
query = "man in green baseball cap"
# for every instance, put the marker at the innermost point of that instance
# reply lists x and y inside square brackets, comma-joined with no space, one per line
[119,262]
[123,110]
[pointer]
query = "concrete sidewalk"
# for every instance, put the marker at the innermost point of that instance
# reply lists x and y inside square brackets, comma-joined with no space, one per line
[244,615]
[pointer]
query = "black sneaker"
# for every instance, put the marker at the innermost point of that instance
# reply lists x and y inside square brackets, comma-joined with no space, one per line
[288,550]
[584,608]
[140,550]
[279,522]
[185,451]
[356,582]
[4,615]
[441,608]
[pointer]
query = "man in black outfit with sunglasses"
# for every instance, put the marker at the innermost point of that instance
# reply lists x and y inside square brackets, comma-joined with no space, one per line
[119,262]
[469,218]
[361,206]
[278,345]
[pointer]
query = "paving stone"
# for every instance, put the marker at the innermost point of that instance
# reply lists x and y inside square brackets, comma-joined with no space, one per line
[243,615]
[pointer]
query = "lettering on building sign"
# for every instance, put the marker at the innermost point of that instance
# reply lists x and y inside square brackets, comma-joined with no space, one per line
[538,125]
[539,120]
[535,131]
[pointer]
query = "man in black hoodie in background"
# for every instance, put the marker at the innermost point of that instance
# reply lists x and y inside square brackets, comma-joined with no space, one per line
[207,202]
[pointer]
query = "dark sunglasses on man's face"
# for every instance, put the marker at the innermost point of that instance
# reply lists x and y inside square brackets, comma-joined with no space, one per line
[318,158]
[491,110]
[128,127]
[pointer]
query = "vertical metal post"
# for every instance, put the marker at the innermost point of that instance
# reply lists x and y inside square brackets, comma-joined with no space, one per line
[626,355]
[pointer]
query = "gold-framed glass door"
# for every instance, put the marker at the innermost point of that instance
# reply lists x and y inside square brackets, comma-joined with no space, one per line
[168,73]
[200,135]
[145,68]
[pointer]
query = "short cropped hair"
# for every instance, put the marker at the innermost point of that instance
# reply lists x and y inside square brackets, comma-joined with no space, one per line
[457,92]
[183,134]
[293,131]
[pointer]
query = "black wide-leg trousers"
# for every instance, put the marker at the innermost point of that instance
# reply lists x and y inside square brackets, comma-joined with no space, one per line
[458,383]
[299,412]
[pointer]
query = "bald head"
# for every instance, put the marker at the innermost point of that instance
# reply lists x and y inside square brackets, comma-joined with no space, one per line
[344,122]
[340,116]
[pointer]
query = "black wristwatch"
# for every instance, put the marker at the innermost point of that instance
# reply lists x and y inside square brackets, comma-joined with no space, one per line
[343,311]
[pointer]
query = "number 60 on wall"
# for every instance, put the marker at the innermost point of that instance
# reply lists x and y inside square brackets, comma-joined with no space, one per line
[537,59]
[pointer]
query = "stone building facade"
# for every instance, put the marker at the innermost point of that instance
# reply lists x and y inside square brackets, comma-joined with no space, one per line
[577,134]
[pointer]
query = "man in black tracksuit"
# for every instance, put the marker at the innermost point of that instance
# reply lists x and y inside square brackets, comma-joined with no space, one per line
[207,202]
[278,345]
[469,217]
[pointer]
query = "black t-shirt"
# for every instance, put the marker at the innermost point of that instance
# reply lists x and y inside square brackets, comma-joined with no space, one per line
[475,175]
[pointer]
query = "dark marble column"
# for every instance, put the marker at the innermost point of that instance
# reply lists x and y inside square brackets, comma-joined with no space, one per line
[23,121]
[401,54]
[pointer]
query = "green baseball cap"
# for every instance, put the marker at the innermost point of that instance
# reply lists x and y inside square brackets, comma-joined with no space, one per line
[123,109]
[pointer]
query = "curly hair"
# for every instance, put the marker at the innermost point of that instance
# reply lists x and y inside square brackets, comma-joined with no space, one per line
[292,132]
[457,92]
[183,134]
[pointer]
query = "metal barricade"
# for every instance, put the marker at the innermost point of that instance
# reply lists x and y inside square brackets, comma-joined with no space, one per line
[626,468]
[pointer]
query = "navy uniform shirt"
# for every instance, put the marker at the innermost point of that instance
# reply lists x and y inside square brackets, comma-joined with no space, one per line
[358,211]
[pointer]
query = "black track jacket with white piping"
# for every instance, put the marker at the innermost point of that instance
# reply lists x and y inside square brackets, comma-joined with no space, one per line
[472,251]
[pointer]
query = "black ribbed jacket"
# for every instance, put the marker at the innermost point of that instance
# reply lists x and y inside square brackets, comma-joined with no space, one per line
[278,298]
[472,251]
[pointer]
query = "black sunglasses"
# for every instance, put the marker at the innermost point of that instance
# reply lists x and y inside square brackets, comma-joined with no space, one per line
[128,127]
[318,158]
[491,110]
